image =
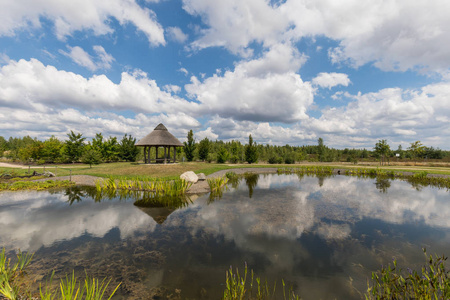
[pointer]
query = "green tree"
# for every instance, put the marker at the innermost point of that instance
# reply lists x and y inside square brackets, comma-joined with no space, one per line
[251,153]
[127,150]
[91,156]
[222,155]
[189,146]
[51,150]
[382,148]
[111,149]
[416,149]
[203,149]
[236,151]
[74,146]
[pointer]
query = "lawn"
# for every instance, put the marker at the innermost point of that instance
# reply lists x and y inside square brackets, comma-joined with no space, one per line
[172,171]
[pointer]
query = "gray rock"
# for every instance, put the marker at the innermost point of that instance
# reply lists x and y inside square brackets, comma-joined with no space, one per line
[189,176]
[201,177]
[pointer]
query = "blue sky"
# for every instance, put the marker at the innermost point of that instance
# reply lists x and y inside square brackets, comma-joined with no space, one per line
[287,72]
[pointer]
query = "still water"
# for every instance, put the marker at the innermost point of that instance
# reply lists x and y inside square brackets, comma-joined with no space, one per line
[323,235]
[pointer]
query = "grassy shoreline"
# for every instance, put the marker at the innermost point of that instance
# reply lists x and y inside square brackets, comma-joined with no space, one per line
[173,171]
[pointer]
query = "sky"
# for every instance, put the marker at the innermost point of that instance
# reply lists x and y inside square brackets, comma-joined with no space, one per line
[352,72]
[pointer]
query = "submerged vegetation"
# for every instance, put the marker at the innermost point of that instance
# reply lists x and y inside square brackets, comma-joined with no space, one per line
[34,185]
[432,282]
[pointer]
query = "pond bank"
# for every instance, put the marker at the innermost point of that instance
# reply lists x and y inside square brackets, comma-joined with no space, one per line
[202,186]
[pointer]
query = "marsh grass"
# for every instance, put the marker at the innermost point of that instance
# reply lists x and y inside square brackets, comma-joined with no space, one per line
[320,170]
[12,285]
[34,185]
[392,282]
[168,188]
[239,287]
[217,185]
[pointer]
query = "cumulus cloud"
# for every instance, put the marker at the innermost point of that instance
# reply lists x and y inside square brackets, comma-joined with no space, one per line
[69,17]
[31,84]
[329,80]
[263,89]
[394,35]
[396,114]
[82,58]
[176,34]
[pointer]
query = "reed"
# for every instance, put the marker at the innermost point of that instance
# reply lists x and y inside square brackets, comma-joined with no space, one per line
[12,275]
[431,282]
[239,287]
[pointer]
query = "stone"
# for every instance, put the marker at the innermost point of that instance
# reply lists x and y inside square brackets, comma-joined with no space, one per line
[189,176]
[201,177]
[49,174]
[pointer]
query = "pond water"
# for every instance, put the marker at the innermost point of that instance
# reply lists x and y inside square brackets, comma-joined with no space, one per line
[323,235]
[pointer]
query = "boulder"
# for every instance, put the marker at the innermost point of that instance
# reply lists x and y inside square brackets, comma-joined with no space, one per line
[201,177]
[189,176]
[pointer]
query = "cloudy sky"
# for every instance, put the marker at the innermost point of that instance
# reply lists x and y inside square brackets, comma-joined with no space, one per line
[350,71]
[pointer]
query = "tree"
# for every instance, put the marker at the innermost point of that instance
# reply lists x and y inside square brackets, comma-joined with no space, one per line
[91,156]
[382,149]
[203,149]
[189,146]
[74,146]
[127,149]
[51,150]
[416,149]
[222,155]
[321,150]
[251,153]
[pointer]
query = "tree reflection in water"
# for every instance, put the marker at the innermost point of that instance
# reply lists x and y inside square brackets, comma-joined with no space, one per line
[382,184]
[251,180]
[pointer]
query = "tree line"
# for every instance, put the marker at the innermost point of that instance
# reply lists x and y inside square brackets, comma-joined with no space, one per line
[100,149]
[73,149]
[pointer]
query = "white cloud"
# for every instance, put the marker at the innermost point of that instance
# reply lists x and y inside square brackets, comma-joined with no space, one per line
[176,34]
[31,84]
[71,16]
[264,89]
[207,133]
[329,80]
[80,57]
[391,34]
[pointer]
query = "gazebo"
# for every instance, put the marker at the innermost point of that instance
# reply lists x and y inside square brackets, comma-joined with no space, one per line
[160,137]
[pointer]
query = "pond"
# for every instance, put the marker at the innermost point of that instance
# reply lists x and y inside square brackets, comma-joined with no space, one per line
[322,235]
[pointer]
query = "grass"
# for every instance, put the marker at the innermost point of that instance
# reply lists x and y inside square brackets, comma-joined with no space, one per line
[34,185]
[239,287]
[431,282]
[12,283]
[172,171]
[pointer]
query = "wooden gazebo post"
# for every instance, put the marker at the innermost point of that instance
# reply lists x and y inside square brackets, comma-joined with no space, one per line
[160,137]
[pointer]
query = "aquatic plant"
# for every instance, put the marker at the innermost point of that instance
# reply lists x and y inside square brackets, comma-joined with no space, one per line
[171,188]
[12,281]
[11,275]
[34,185]
[239,287]
[217,185]
[322,170]
[432,282]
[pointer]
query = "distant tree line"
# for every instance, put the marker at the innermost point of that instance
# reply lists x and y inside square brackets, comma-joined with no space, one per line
[100,149]
[73,149]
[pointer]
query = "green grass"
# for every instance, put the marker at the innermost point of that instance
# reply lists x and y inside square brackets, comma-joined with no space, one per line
[241,286]
[392,282]
[34,185]
[12,285]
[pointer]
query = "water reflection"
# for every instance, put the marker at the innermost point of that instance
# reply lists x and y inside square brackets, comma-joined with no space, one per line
[314,232]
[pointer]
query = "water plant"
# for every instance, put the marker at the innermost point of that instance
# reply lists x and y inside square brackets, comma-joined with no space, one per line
[239,287]
[217,185]
[12,283]
[431,282]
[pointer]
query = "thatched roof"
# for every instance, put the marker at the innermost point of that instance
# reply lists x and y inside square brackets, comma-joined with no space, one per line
[160,136]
